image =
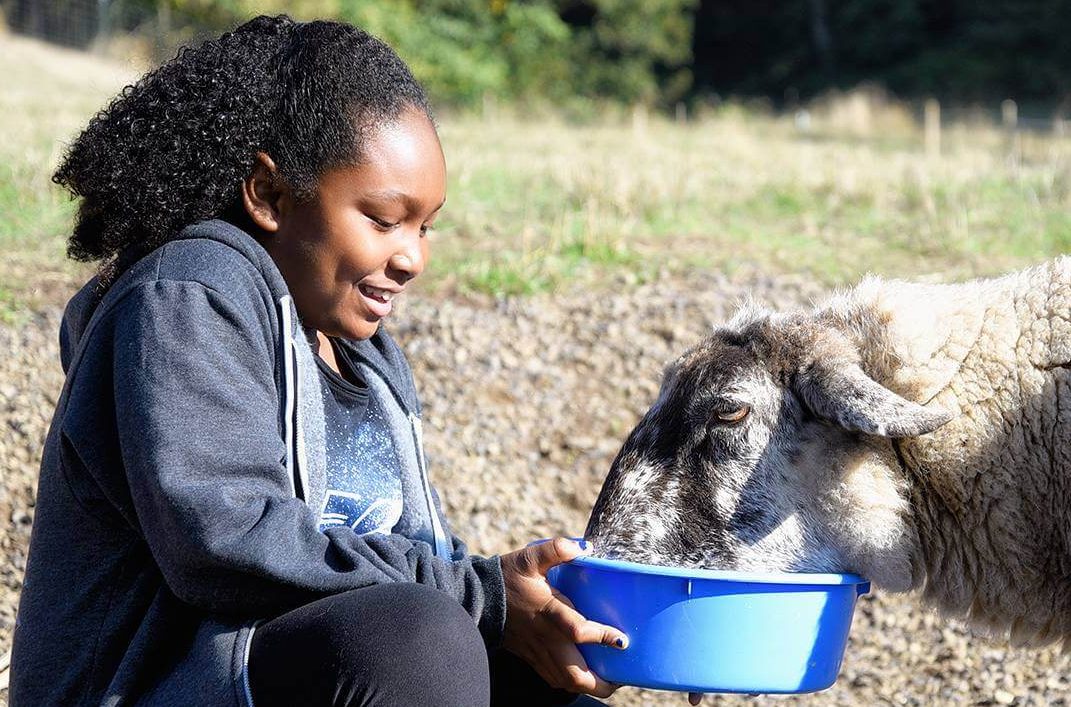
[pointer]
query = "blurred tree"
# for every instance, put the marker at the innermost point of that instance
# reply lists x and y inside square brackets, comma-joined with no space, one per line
[753,47]
[463,50]
[964,50]
[991,49]
[637,50]
[653,51]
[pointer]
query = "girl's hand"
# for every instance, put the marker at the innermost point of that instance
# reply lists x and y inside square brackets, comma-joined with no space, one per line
[543,627]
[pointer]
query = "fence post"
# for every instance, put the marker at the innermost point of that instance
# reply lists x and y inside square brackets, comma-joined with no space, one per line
[1009,118]
[682,113]
[932,125]
[104,20]
[163,29]
[490,107]
[1009,114]
[639,120]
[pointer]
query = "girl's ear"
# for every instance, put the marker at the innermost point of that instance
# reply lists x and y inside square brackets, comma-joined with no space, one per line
[264,194]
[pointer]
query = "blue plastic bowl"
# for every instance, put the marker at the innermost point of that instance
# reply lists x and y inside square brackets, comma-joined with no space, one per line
[714,631]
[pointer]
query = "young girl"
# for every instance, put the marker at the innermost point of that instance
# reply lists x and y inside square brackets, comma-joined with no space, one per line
[233,505]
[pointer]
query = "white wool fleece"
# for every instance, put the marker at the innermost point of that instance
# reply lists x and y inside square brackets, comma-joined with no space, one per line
[990,492]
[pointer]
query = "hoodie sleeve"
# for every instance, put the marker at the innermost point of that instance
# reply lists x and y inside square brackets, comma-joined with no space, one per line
[199,433]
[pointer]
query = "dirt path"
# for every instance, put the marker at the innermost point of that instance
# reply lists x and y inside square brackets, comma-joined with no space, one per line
[526,403]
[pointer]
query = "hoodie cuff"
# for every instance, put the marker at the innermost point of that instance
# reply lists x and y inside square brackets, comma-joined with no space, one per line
[492,621]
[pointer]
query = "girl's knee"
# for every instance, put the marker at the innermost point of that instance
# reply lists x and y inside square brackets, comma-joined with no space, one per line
[423,634]
[385,645]
[431,645]
[431,626]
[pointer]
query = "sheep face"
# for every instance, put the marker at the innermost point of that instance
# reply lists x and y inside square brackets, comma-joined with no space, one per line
[752,458]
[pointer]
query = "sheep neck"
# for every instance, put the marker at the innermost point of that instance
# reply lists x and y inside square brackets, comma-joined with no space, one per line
[989,492]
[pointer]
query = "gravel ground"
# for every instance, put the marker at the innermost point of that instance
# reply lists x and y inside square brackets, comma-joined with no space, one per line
[526,403]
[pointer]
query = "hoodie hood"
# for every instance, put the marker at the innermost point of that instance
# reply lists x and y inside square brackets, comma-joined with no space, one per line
[380,353]
[80,309]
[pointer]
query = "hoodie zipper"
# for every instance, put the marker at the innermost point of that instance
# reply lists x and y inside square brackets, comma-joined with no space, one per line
[438,535]
[291,429]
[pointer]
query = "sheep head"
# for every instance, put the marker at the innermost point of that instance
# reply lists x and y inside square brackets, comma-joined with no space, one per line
[768,448]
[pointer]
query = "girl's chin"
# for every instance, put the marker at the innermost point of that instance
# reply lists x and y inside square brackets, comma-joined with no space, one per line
[362,329]
[347,324]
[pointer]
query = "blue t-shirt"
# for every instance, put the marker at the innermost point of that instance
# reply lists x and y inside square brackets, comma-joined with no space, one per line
[364,486]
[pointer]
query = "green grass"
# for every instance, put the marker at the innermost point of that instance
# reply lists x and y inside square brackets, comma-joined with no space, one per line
[11,313]
[512,272]
[536,205]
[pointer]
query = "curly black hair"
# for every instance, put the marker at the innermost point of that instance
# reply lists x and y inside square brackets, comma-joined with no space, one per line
[173,148]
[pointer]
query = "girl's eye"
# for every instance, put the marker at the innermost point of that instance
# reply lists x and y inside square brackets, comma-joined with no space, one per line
[732,415]
[381,224]
[424,228]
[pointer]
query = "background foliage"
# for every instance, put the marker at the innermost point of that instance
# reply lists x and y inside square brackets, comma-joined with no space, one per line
[465,51]
[652,51]
[964,50]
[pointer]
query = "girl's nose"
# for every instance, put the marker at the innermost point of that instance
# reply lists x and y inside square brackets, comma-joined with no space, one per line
[409,260]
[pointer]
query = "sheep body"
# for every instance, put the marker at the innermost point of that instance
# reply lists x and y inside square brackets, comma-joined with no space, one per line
[989,492]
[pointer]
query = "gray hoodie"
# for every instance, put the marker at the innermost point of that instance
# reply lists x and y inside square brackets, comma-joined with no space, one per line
[181,482]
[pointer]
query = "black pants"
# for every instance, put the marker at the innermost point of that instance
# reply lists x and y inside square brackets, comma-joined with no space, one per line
[388,645]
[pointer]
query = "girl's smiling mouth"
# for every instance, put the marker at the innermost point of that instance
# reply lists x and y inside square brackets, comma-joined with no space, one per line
[378,300]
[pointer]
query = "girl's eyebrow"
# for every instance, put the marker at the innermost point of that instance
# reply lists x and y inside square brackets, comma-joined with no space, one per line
[399,196]
[388,195]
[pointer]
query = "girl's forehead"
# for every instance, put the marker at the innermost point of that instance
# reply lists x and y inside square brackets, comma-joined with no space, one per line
[408,141]
[401,161]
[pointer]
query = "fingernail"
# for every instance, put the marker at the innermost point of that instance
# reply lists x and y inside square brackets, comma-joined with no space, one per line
[621,642]
[583,544]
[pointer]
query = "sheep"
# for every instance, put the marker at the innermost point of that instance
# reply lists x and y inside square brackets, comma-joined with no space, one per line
[916,434]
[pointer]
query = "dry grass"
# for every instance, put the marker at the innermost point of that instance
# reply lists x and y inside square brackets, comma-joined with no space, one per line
[46,96]
[738,188]
[537,203]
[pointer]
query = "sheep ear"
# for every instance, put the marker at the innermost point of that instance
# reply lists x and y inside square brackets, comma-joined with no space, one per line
[846,395]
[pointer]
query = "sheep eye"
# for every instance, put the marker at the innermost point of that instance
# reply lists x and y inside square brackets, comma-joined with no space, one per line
[731,416]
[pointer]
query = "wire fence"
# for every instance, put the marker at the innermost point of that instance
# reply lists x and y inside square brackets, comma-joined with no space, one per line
[85,23]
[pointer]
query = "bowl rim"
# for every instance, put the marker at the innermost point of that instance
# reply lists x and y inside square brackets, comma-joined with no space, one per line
[790,578]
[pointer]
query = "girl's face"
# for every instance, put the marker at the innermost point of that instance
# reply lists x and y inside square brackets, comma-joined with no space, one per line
[347,252]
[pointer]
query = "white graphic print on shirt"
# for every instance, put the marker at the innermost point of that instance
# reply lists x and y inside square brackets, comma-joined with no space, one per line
[364,489]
